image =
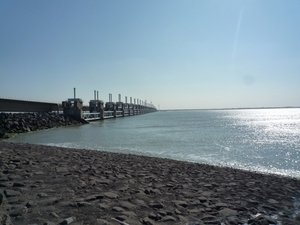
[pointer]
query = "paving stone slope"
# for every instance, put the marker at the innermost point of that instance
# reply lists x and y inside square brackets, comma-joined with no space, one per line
[52,185]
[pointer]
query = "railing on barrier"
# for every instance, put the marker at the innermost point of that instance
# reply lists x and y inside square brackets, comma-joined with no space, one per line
[126,112]
[91,116]
[119,113]
[108,114]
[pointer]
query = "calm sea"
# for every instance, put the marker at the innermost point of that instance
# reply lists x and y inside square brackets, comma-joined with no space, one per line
[264,140]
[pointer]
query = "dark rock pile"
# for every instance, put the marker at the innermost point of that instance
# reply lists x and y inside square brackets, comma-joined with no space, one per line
[11,123]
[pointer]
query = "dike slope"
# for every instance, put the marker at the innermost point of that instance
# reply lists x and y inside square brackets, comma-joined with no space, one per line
[52,185]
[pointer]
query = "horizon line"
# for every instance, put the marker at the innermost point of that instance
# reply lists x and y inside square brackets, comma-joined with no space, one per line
[235,108]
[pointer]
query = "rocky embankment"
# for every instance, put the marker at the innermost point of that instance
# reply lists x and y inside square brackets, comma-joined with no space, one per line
[12,123]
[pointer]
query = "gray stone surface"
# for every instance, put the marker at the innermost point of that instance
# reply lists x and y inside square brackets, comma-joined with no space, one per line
[38,187]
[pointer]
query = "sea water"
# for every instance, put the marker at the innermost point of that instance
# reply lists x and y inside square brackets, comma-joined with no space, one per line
[262,140]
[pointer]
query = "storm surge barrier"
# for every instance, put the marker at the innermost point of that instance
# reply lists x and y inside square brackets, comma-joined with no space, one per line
[73,107]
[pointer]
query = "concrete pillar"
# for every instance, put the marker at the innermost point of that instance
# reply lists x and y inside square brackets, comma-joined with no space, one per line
[101,110]
[97,106]
[73,107]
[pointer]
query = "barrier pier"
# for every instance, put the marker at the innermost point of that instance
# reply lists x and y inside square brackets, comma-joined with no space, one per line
[97,110]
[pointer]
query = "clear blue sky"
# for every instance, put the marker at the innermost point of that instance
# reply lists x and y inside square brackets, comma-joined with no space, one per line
[177,54]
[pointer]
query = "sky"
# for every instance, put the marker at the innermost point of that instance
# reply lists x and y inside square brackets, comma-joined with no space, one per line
[177,54]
